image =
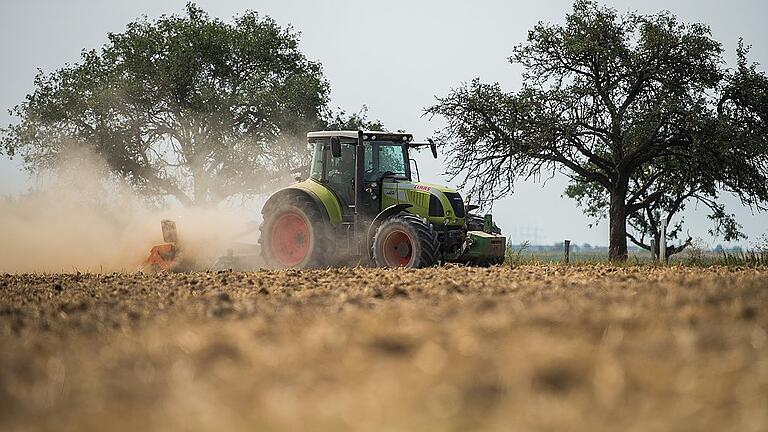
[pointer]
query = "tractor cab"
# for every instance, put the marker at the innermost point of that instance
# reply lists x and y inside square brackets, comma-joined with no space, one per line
[385,160]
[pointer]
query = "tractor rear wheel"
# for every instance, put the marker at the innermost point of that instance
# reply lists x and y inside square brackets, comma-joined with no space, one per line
[294,234]
[406,240]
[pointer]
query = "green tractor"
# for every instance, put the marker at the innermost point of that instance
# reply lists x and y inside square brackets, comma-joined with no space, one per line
[361,206]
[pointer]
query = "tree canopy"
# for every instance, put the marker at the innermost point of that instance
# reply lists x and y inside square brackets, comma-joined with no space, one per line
[185,106]
[637,110]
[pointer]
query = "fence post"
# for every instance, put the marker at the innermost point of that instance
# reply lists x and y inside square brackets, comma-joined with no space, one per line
[653,250]
[567,247]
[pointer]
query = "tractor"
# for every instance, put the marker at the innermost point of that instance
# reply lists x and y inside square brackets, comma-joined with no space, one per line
[362,206]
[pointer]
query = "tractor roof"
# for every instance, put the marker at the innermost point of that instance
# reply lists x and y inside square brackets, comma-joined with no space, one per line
[394,136]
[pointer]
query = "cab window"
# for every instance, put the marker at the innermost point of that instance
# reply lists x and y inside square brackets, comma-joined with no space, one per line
[386,157]
[316,170]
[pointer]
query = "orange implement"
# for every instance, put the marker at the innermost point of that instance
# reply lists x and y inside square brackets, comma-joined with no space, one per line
[162,256]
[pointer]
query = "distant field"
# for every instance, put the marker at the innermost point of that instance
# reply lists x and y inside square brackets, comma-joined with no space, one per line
[521,255]
[534,347]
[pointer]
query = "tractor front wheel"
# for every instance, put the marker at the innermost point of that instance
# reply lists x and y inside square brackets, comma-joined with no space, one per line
[405,240]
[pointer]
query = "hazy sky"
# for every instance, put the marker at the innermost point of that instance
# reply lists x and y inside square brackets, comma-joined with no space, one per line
[429,47]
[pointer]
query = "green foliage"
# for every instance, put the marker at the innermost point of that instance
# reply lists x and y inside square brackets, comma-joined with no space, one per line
[187,106]
[637,110]
[355,121]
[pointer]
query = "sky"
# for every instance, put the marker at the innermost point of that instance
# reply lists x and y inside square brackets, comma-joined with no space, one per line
[429,48]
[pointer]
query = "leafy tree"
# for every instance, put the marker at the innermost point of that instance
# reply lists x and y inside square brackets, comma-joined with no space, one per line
[637,110]
[731,160]
[185,106]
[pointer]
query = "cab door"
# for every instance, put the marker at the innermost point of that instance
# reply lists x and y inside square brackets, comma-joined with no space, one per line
[340,174]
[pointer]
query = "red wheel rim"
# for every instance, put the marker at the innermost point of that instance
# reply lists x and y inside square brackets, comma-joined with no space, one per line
[398,249]
[290,239]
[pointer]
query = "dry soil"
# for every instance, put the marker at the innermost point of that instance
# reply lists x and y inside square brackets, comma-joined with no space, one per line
[526,348]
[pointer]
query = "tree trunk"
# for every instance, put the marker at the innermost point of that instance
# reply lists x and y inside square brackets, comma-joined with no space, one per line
[200,184]
[617,215]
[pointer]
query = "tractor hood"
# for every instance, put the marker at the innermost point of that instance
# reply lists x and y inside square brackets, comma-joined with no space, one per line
[440,204]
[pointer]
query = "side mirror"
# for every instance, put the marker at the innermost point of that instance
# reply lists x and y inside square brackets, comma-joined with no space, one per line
[432,147]
[335,147]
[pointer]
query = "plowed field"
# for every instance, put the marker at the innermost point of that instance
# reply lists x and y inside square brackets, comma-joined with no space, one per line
[528,348]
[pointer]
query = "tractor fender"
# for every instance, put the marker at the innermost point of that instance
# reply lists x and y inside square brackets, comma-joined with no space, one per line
[381,217]
[292,191]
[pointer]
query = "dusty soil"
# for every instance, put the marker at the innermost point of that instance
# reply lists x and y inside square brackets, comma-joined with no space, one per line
[529,348]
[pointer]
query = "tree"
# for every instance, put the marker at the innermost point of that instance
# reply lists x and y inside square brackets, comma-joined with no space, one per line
[731,160]
[636,110]
[185,106]
[673,188]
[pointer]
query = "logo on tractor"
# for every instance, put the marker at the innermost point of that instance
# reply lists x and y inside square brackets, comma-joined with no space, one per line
[420,187]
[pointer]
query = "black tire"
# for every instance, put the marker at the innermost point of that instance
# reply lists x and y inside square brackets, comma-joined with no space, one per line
[413,239]
[320,247]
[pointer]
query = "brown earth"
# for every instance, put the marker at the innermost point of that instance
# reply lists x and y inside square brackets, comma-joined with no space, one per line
[527,348]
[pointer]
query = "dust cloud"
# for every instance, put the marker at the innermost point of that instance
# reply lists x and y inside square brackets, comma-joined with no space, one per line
[81,218]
